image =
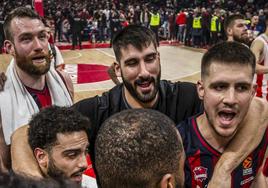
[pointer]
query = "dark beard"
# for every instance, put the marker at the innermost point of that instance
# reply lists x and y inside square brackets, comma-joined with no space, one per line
[27,66]
[53,171]
[147,97]
[241,40]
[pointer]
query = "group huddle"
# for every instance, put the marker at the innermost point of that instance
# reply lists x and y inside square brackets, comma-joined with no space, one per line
[145,132]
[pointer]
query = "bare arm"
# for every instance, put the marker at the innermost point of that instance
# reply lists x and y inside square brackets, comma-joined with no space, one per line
[246,140]
[257,48]
[260,180]
[23,160]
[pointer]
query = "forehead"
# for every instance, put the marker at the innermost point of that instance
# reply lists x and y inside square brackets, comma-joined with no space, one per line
[71,140]
[25,24]
[132,52]
[239,21]
[229,72]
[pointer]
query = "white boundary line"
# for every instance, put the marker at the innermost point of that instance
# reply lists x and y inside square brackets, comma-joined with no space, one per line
[74,57]
[99,50]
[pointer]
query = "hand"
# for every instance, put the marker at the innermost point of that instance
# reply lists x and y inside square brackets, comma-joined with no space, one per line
[3,79]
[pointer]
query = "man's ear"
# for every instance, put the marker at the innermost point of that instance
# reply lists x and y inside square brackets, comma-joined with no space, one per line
[9,47]
[167,181]
[229,31]
[42,158]
[200,89]
[117,69]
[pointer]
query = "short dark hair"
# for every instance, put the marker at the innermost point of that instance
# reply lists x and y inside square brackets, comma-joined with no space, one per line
[45,125]
[135,35]
[136,148]
[20,12]
[227,53]
[229,21]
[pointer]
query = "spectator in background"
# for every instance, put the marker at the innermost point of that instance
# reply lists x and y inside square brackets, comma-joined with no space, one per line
[181,24]
[77,26]
[155,23]
[145,17]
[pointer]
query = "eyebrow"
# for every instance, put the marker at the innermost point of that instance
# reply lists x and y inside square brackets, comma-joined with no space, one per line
[30,34]
[134,58]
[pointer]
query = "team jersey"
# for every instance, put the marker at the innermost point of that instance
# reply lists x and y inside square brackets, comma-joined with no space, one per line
[41,97]
[201,158]
[262,79]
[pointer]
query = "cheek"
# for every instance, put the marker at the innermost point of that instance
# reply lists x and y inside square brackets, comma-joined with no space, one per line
[130,74]
[153,68]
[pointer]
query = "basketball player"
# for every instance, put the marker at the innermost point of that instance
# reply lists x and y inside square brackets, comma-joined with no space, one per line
[226,101]
[260,48]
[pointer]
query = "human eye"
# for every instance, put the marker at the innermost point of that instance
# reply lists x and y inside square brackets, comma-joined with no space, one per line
[131,62]
[42,36]
[71,154]
[219,86]
[242,88]
[26,38]
[150,58]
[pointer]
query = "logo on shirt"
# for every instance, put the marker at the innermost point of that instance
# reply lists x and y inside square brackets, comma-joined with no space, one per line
[247,162]
[200,173]
[247,166]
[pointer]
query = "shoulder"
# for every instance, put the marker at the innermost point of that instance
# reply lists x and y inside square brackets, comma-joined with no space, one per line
[183,86]
[91,105]
[257,43]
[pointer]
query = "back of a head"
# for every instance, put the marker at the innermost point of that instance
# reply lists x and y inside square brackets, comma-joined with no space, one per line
[20,12]
[136,148]
[12,180]
[229,21]
[227,53]
[45,125]
[135,35]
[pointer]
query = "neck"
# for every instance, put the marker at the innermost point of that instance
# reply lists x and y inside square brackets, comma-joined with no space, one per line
[230,39]
[134,103]
[34,82]
[215,140]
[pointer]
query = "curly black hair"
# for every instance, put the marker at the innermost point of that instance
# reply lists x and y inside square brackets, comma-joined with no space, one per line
[45,125]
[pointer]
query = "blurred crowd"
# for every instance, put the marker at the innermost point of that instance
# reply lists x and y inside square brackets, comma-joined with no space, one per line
[197,23]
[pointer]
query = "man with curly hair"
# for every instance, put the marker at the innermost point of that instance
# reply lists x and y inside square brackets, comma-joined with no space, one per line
[58,138]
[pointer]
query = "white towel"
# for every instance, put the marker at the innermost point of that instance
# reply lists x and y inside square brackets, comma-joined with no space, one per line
[17,105]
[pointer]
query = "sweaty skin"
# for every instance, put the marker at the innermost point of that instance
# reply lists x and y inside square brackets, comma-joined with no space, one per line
[238,149]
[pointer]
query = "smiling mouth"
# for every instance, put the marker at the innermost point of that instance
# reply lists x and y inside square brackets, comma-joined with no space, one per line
[77,178]
[144,84]
[39,59]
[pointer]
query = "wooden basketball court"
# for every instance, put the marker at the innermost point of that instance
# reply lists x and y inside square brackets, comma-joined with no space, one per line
[177,63]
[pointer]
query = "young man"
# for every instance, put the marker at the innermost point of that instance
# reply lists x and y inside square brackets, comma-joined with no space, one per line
[260,49]
[139,152]
[31,82]
[235,28]
[226,102]
[59,141]
[138,63]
